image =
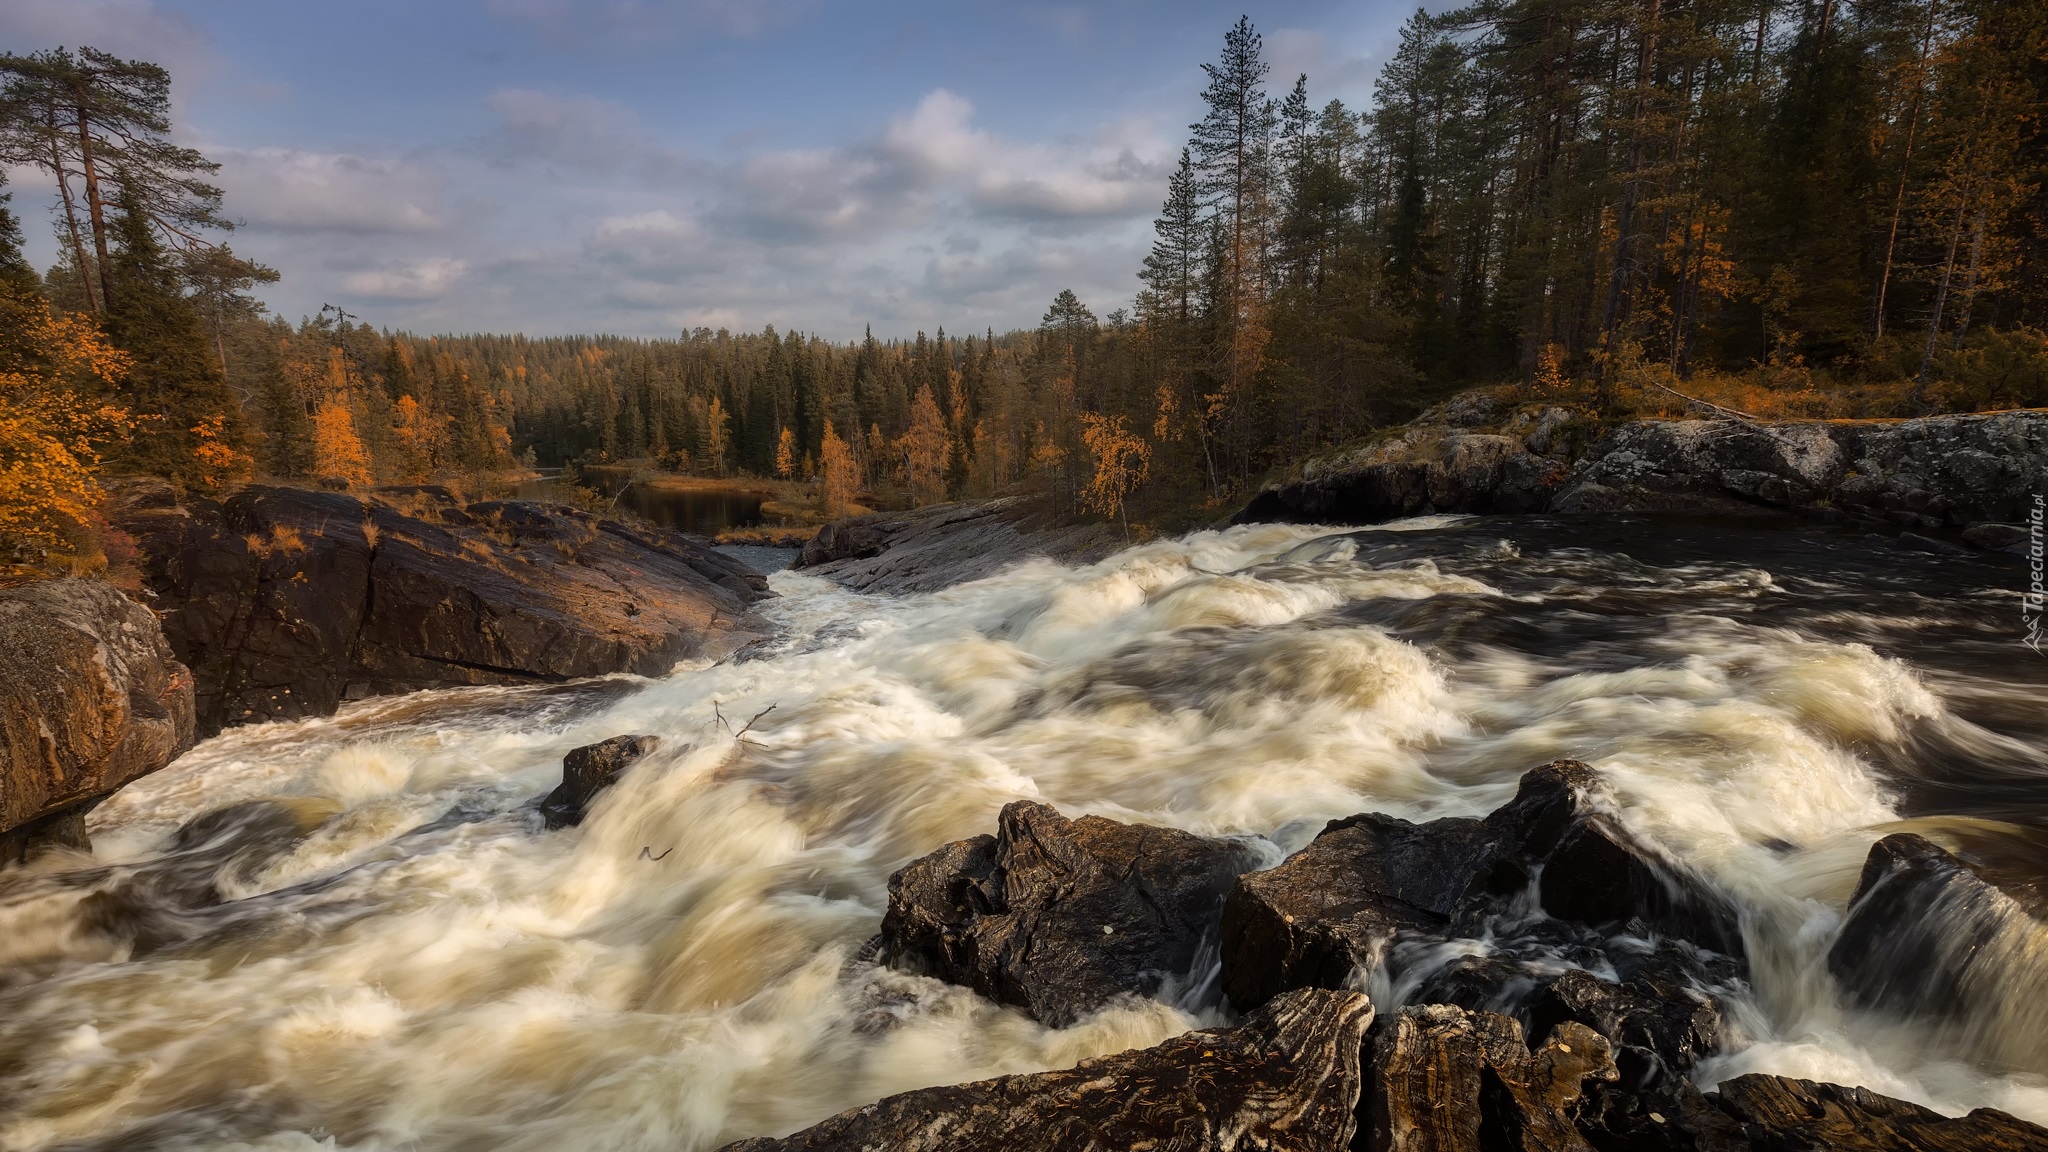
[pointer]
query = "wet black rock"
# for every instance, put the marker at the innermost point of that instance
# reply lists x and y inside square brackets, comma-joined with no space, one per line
[589,770]
[1444,1079]
[1058,916]
[1659,1028]
[1671,1117]
[1779,1114]
[1336,905]
[1593,872]
[1287,1079]
[1927,934]
[1368,881]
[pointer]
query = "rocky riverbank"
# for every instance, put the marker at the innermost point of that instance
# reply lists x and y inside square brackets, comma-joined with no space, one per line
[1551,984]
[90,699]
[1971,477]
[286,602]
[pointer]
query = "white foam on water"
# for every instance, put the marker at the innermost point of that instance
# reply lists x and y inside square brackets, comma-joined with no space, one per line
[683,970]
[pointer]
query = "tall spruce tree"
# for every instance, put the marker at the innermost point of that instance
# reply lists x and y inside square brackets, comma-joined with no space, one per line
[176,391]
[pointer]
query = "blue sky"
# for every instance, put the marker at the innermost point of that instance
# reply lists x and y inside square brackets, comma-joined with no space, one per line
[644,166]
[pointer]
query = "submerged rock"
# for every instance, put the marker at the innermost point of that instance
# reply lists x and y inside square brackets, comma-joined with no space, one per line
[1780,1114]
[1058,916]
[1443,1079]
[91,698]
[286,602]
[1285,1080]
[589,770]
[925,549]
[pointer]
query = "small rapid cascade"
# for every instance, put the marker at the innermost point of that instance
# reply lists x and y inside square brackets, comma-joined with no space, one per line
[354,933]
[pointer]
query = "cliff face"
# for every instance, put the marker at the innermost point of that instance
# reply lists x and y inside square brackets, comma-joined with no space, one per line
[90,699]
[287,602]
[1971,475]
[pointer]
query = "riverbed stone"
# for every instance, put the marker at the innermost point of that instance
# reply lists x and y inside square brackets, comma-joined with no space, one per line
[589,770]
[1059,917]
[1286,1079]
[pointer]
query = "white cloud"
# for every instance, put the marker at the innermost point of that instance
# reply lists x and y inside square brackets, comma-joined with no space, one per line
[409,280]
[299,191]
[583,132]
[140,29]
[1332,71]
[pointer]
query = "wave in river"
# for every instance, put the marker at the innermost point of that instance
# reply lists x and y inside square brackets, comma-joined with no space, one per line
[376,947]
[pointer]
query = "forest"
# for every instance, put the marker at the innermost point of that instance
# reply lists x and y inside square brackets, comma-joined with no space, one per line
[1813,208]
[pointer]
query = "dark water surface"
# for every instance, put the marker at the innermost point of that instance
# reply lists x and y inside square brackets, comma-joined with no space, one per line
[700,511]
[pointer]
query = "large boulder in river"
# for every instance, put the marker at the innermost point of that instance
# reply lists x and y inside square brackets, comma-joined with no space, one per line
[90,699]
[589,770]
[1285,1080]
[1058,916]
[286,602]
[1336,905]
[1928,936]
[1367,881]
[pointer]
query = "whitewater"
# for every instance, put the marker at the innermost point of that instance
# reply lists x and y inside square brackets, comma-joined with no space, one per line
[376,946]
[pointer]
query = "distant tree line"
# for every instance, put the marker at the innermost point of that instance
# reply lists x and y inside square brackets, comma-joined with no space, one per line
[1815,207]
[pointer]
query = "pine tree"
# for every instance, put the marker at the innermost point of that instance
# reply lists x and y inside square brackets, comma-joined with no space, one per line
[175,387]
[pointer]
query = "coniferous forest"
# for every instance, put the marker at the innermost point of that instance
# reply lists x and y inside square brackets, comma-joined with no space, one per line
[1813,209]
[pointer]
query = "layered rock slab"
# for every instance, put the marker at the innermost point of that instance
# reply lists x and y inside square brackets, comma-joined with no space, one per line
[91,698]
[286,602]
[1781,1114]
[1057,916]
[1286,1079]
[1442,1079]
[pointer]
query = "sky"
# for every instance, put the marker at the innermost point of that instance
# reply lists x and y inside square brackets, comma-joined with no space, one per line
[642,167]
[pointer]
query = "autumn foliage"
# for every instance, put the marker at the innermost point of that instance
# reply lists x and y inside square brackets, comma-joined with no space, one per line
[54,433]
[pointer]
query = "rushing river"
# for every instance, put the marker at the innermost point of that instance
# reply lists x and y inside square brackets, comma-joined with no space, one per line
[429,970]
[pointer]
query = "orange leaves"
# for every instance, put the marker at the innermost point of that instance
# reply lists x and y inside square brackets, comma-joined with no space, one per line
[338,452]
[220,463]
[52,435]
[1123,459]
[785,454]
[841,473]
[926,449]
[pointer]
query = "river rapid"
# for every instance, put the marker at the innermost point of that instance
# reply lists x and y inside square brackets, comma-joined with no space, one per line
[394,955]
